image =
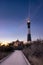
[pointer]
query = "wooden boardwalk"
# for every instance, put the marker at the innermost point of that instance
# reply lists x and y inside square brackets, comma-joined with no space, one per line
[17,58]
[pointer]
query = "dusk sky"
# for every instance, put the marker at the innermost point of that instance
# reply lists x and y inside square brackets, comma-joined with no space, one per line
[13,19]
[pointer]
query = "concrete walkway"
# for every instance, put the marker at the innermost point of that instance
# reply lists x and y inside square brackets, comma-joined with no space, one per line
[17,58]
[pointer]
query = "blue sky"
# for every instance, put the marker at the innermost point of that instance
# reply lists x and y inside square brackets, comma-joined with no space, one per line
[13,15]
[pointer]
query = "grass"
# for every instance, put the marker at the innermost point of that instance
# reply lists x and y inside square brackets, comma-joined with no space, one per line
[4,54]
[34,53]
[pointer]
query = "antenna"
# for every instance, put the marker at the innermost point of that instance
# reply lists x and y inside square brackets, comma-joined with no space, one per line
[28,18]
[29,6]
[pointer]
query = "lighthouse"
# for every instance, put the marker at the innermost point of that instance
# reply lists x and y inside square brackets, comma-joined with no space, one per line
[29,33]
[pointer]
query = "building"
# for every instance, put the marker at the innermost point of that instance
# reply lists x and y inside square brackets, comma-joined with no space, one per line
[17,43]
[29,33]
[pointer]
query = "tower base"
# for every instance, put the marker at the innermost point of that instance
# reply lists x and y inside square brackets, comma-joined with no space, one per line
[29,37]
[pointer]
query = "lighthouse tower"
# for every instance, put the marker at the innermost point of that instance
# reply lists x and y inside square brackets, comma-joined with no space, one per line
[29,33]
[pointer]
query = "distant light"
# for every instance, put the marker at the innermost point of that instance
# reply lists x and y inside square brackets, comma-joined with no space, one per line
[4,43]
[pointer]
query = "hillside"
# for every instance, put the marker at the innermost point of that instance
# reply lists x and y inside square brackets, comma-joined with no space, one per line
[34,53]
